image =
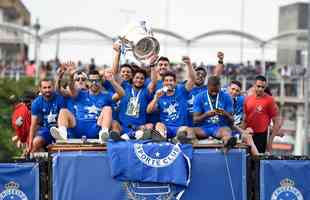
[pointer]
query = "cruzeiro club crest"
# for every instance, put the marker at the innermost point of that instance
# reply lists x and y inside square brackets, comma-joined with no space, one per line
[158,158]
[287,191]
[11,192]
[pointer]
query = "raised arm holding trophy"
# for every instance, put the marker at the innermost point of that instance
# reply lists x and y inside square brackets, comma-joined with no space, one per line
[138,43]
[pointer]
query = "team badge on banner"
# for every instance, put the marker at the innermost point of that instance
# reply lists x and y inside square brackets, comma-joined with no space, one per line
[284,179]
[19,181]
[151,170]
[287,191]
[12,192]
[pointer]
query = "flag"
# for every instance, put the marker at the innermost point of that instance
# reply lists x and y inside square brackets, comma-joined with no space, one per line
[19,181]
[146,161]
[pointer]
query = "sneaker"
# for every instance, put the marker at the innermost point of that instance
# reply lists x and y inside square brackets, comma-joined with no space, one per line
[103,136]
[147,134]
[157,136]
[230,144]
[116,136]
[139,134]
[57,134]
[182,137]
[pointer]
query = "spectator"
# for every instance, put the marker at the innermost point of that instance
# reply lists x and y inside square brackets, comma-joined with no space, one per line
[286,72]
[30,69]
[259,110]
[92,65]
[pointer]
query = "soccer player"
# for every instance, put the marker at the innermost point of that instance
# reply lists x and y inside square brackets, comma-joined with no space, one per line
[199,86]
[44,113]
[92,114]
[213,109]
[234,90]
[132,108]
[171,102]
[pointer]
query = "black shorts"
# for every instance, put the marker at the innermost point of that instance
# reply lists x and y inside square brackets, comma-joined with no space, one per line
[260,141]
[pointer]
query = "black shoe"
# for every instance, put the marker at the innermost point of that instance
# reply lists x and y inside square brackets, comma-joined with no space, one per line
[182,137]
[230,144]
[157,137]
[147,134]
[115,136]
[185,137]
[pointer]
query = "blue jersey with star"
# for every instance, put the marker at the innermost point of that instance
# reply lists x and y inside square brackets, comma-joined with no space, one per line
[238,109]
[202,105]
[173,109]
[143,100]
[87,107]
[190,102]
[47,111]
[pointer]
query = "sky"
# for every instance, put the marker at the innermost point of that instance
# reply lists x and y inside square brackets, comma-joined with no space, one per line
[187,18]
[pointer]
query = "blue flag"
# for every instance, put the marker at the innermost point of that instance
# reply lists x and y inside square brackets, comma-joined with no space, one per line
[285,179]
[146,161]
[19,181]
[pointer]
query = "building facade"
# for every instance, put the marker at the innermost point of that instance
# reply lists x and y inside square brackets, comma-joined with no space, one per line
[12,44]
[292,17]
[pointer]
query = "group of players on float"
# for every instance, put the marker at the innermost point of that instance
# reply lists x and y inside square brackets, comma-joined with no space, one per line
[125,103]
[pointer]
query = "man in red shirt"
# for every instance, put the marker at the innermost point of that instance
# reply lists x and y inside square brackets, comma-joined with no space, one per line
[21,119]
[260,109]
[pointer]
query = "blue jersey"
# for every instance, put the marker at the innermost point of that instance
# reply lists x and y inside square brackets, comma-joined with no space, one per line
[109,87]
[88,107]
[173,109]
[132,108]
[115,105]
[204,104]
[190,102]
[159,83]
[47,111]
[154,116]
[238,109]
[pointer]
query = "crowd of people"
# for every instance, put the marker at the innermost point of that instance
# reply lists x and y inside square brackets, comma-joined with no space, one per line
[128,102]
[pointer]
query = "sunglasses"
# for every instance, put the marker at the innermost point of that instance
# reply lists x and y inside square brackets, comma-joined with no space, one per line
[95,81]
[260,86]
[80,79]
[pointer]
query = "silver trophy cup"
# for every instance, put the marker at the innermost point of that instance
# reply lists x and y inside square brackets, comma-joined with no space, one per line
[138,42]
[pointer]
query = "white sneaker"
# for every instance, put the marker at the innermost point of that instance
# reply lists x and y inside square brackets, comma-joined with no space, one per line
[57,134]
[125,137]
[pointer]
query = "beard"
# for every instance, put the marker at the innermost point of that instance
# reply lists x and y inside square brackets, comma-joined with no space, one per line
[47,95]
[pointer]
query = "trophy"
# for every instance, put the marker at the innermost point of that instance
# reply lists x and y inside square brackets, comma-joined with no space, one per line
[139,43]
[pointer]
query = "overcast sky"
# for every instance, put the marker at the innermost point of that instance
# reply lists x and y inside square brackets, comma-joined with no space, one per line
[187,18]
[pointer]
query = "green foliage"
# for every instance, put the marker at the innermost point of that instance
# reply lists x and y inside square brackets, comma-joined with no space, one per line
[10,92]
